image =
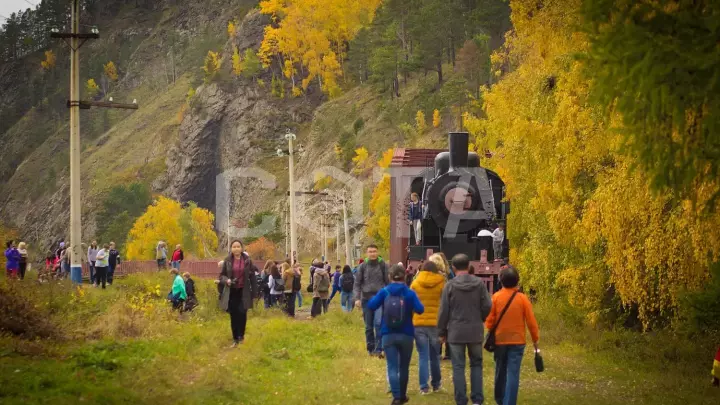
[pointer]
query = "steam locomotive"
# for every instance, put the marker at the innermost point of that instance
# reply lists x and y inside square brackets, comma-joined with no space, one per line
[462,204]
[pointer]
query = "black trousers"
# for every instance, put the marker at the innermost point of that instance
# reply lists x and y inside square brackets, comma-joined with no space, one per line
[290,304]
[238,314]
[319,306]
[23,268]
[101,275]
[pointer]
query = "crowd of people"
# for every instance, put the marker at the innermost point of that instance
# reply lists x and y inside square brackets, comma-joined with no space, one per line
[442,302]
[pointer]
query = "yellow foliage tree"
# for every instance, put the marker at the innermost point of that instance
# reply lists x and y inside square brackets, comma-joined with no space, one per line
[314,33]
[232,28]
[49,61]
[386,158]
[168,221]
[437,120]
[92,88]
[110,71]
[378,226]
[212,65]
[583,223]
[361,161]
[262,249]
[237,65]
[420,124]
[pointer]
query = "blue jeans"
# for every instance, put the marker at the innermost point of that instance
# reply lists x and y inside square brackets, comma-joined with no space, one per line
[111,272]
[346,301]
[91,265]
[428,348]
[398,351]
[175,264]
[373,321]
[335,290]
[508,359]
[457,356]
[299,298]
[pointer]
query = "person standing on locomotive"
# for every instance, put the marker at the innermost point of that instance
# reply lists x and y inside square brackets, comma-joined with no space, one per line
[415,216]
[371,277]
[498,238]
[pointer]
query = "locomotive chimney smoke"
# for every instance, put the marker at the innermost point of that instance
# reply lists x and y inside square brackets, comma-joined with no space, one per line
[458,149]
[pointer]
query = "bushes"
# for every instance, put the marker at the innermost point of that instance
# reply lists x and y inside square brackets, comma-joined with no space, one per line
[22,316]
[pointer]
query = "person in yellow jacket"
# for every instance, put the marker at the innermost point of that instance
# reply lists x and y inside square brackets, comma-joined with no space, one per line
[428,285]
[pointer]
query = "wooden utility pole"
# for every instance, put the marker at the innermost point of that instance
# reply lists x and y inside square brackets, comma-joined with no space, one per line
[77,39]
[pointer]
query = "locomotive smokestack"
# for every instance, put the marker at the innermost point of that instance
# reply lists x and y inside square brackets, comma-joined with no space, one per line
[458,149]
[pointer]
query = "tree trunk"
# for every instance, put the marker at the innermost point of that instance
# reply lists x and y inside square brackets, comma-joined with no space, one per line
[439,70]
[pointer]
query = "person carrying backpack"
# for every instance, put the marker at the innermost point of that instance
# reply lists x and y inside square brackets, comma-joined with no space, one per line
[398,303]
[276,284]
[347,282]
[321,292]
[370,278]
[288,276]
[464,306]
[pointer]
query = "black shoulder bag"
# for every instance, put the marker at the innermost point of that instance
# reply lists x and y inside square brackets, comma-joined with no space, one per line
[490,338]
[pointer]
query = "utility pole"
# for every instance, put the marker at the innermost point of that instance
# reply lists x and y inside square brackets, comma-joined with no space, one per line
[337,240]
[293,241]
[77,40]
[324,231]
[286,223]
[348,258]
[75,201]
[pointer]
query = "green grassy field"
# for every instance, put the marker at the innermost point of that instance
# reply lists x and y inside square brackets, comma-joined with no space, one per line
[124,346]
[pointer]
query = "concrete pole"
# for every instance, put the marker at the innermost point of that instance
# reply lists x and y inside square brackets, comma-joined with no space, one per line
[337,241]
[75,192]
[287,239]
[348,257]
[325,233]
[293,241]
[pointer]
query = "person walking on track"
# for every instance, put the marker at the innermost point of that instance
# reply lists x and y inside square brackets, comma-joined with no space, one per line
[238,275]
[464,305]
[371,277]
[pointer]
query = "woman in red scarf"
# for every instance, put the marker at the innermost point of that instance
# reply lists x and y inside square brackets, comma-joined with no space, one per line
[238,274]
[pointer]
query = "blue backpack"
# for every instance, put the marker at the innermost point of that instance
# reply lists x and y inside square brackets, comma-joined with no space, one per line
[394,311]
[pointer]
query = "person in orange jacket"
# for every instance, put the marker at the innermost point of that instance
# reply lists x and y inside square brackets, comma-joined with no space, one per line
[510,335]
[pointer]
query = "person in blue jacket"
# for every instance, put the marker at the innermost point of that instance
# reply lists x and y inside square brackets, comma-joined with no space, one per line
[398,303]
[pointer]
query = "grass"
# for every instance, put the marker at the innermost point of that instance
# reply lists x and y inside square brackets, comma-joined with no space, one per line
[114,348]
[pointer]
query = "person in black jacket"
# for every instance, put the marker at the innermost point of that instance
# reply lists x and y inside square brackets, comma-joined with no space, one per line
[113,262]
[191,301]
[238,274]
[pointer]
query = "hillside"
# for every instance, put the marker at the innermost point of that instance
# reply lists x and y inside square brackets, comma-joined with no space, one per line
[175,144]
